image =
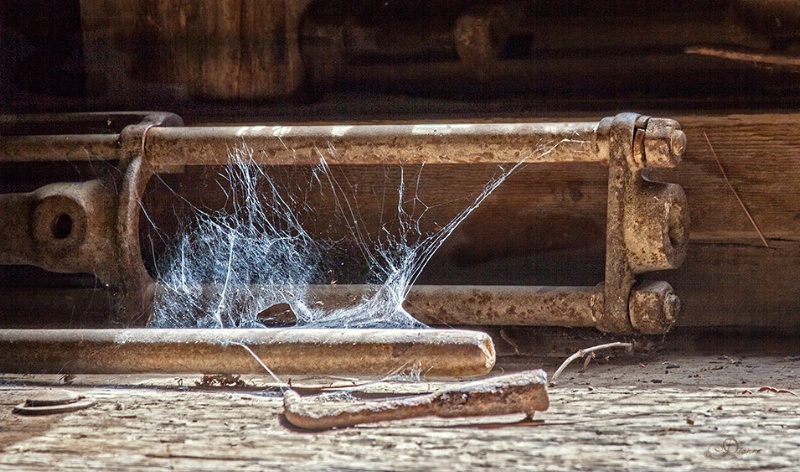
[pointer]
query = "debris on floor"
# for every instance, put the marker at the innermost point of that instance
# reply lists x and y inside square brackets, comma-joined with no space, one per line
[52,401]
[523,392]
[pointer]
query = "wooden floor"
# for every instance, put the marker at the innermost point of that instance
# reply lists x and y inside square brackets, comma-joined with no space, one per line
[674,406]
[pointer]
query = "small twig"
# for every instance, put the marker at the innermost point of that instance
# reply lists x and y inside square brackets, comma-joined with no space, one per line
[735,194]
[510,341]
[582,353]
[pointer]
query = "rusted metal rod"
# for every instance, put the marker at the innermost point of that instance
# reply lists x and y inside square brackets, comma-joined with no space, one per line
[378,144]
[75,137]
[481,304]
[522,392]
[357,144]
[504,305]
[53,148]
[368,352]
[486,305]
[450,305]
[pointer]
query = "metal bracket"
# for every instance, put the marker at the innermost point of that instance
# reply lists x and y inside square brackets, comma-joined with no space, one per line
[93,226]
[647,225]
[85,227]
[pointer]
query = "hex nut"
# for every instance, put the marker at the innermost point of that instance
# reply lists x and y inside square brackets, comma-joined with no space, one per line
[653,307]
[664,143]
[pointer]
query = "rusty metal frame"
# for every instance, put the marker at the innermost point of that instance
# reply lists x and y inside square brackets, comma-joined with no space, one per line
[647,226]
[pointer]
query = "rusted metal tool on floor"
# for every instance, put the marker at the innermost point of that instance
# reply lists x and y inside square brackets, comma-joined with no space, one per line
[93,226]
[523,392]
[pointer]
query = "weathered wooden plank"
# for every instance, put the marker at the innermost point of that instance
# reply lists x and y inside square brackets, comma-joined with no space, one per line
[760,155]
[232,49]
[600,428]
[738,284]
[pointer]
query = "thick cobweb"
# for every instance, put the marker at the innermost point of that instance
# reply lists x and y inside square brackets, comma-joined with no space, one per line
[254,261]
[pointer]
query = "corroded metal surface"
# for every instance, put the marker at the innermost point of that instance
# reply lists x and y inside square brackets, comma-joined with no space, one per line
[503,306]
[378,144]
[344,144]
[647,223]
[653,307]
[491,305]
[90,227]
[93,227]
[367,352]
[523,392]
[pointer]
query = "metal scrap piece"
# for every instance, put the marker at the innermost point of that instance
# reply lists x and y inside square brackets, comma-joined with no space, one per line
[51,402]
[523,392]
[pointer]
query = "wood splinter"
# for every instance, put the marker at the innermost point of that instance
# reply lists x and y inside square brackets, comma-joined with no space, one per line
[523,392]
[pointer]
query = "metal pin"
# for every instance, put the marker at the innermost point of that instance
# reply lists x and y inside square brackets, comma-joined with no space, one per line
[366,352]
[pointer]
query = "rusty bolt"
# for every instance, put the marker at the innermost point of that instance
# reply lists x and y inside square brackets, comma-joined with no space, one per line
[654,307]
[664,143]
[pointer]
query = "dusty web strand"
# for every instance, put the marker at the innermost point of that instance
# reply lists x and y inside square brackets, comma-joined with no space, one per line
[230,265]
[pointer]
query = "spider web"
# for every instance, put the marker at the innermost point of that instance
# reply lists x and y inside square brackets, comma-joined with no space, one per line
[251,263]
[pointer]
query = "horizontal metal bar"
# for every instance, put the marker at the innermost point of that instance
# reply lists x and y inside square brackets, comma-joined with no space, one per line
[377,144]
[59,147]
[503,305]
[481,305]
[78,122]
[369,352]
[305,145]
[652,308]
[455,304]
[461,305]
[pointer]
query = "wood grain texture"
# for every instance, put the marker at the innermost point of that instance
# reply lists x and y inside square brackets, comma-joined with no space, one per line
[661,407]
[231,49]
[605,428]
